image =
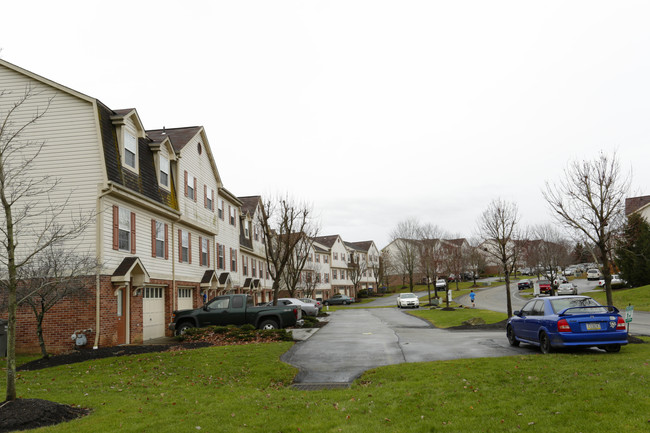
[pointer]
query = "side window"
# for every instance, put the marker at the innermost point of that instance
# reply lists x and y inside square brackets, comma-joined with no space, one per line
[528,308]
[219,303]
[237,302]
[538,309]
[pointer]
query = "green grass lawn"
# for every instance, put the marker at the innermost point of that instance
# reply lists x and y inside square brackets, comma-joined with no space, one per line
[444,319]
[246,389]
[638,296]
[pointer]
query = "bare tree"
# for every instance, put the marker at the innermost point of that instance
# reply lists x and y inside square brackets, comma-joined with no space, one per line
[30,219]
[294,276]
[312,278]
[551,250]
[285,225]
[590,200]
[357,266]
[405,237]
[497,226]
[454,260]
[429,255]
[53,275]
[475,259]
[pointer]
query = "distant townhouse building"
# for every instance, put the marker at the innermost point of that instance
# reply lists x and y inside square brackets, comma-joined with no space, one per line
[338,263]
[366,257]
[255,272]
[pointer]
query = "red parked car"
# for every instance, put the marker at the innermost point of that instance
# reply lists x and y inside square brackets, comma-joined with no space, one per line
[545,287]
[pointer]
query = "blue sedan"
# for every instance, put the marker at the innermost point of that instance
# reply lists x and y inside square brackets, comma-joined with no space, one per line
[567,321]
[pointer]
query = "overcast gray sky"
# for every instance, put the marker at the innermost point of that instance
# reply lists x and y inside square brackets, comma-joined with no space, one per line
[373,111]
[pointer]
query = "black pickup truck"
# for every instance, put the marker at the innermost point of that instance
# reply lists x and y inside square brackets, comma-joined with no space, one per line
[235,310]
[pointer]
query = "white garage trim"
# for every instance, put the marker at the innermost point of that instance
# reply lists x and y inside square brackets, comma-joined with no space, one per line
[153,313]
[185,298]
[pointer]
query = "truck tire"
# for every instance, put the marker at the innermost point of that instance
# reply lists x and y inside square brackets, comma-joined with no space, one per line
[269,324]
[184,326]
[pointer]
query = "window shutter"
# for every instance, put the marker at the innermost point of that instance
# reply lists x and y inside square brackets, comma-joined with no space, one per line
[116,227]
[153,238]
[208,245]
[217,245]
[180,245]
[132,232]
[200,251]
[205,196]
[235,260]
[212,200]
[185,183]
[189,247]
[195,191]
[166,244]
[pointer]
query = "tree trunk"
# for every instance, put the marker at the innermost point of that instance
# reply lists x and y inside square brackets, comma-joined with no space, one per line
[508,297]
[39,332]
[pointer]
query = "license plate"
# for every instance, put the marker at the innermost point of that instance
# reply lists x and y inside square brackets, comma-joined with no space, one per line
[593,326]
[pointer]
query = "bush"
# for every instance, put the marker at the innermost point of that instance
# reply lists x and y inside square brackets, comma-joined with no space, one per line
[310,321]
[363,293]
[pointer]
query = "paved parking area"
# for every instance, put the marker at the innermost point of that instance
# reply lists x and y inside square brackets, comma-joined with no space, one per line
[357,340]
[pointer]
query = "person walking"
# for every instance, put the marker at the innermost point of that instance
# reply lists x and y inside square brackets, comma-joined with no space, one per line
[472,295]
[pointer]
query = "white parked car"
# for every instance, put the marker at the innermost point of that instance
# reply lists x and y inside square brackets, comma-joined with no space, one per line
[594,274]
[616,281]
[408,300]
[567,289]
[441,283]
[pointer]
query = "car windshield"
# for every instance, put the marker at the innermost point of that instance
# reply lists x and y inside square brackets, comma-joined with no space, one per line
[569,285]
[408,295]
[544,282]
[564,303]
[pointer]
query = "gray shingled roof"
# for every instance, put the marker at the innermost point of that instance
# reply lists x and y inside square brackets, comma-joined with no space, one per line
[633,204]
[178,136]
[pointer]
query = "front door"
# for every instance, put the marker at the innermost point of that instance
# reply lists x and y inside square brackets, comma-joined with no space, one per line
[121,316]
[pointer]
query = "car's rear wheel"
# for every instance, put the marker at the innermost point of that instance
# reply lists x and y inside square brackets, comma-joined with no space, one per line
[345,302]
[544,343]
[613,348]
[269,324]
[510,333]
[399,306]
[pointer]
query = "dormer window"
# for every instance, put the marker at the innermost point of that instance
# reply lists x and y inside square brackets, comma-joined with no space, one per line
[164,171]
[130,150]
[246,231]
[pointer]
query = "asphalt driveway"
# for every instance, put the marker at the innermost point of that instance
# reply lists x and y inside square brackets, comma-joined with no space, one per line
[357,340]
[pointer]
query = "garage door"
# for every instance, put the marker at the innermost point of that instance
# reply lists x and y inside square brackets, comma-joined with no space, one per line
[185,299]
[153,313]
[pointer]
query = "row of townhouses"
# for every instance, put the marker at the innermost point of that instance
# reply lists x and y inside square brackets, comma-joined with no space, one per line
[166,230]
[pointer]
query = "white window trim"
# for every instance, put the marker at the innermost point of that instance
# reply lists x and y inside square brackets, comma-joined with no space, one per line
[124,222]
[164,168]
[127,144]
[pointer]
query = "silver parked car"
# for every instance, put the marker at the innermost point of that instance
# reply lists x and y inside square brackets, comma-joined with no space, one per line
[318,304]
[567,289]
[307,308]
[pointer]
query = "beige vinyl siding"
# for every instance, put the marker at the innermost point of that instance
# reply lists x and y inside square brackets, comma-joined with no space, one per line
[71,153]
[157,267]
[198,166]
[229,237]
